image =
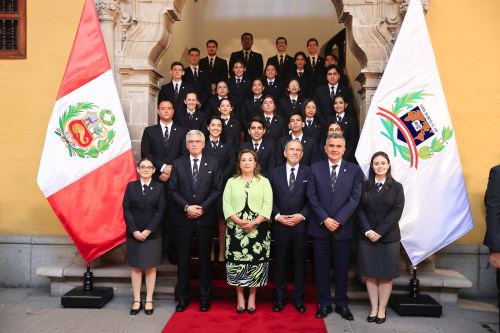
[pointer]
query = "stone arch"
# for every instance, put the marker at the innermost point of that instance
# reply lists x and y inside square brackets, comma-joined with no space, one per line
[138,32]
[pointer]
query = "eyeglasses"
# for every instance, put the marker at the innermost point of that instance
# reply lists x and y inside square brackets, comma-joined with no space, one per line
[146,167]
[335,130]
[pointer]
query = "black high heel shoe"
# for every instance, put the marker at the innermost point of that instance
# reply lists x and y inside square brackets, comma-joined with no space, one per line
[371,319]
[133,311]
[240,310]
[148,311]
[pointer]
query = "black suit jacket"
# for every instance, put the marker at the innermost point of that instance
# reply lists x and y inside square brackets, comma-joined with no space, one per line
[381,211]
[492,203]
[318,72]
[198,122]
[284,70]
[202,85]
[277,129]
[153,147]
[308,144]
[219,70]
[225,155]
[239,92]
[286,108]
[316,131]
[167,93]
[277,90]
[286,202]
[204,193]
[351,134]
[266,156]
[144,211]
[232,132]
[254,66]
[306,83]
[325,101]
[251,108]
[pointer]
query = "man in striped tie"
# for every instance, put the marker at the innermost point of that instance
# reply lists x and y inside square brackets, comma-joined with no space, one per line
[334,192]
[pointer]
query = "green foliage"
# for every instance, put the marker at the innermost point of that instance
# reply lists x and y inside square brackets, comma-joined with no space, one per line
[407,100]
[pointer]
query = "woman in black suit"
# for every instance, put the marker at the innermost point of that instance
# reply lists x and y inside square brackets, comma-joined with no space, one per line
[313,123]
[381,208]
[225,154]
[144,207]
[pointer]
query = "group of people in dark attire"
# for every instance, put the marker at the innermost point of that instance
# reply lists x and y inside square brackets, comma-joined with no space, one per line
[261,152]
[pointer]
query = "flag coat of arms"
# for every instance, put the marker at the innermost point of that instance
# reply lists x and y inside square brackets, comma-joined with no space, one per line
[408,119]
[87,157]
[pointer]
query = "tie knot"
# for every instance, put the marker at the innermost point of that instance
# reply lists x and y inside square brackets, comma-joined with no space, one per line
[379,186]
[195,160]
[215,142]
[292,169]
[334,167]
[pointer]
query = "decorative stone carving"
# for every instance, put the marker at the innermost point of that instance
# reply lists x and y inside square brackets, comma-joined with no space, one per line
[107,9]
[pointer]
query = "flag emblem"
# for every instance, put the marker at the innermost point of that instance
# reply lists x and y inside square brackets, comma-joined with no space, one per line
[409,127]
[86,130]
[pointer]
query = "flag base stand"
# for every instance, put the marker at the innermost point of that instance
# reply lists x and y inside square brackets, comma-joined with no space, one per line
[415,304]
[87,296]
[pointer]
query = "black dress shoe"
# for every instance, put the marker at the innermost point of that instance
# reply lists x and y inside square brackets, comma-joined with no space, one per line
[371,319]
[181,306]
[240,310]
[380,320]
[251,310]
[323,311]
[149,311]
[133,311]
[204,306]
[278,306]
[300,306]
[344,313]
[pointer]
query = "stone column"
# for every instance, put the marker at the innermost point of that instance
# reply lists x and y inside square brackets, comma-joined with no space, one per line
[372,27]
[108,11]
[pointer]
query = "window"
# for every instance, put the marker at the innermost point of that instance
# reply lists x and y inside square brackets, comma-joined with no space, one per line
[12,29]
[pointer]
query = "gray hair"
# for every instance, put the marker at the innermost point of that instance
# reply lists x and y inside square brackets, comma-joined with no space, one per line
[334,136]
[193,133]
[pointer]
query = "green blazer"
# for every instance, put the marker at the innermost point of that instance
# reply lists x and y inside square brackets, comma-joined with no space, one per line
[260,196]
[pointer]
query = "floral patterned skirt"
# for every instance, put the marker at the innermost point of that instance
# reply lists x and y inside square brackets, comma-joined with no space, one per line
[247,255]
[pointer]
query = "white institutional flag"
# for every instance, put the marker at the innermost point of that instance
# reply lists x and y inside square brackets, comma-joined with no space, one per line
[408,119]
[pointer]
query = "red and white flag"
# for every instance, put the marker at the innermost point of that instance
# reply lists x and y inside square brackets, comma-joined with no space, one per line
[87,158]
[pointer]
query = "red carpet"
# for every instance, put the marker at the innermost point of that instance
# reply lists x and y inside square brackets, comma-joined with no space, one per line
[222,317]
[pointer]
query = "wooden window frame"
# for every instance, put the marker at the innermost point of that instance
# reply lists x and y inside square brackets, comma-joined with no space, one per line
[20,16]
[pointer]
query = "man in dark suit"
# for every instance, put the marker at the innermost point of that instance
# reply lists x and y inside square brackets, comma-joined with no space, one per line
[216,67]
[315,62]
[253,61]
[163,143]
[265,149]
[175,91]
[282,61]
[190,117]
[309,145]
[334,191]
[324,95]
[195,185]
[492,236]
[197,77]
[290,211]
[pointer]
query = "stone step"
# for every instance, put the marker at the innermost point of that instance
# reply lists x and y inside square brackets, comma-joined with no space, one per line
[442,284]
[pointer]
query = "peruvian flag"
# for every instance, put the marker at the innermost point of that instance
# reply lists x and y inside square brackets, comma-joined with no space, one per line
[87,158]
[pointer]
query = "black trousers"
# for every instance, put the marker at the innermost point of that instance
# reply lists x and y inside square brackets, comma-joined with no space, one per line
[204,238]
[290,244]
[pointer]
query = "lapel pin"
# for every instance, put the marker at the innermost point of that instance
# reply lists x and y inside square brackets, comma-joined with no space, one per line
[205,163]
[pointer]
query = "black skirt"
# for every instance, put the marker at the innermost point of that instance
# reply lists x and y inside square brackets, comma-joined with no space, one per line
[378,260]
[145,254]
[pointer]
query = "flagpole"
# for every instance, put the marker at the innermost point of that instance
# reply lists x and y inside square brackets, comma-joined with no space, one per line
[413,303]
[87,296]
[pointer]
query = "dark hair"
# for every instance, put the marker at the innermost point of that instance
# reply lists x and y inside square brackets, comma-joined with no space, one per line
[300,53]
[193,49]
[226,99]
[246,34]
[274,102]
[212,41]
[281,38]
[317,116]
[164,100]
[333,66]
[145,159]
[239,61]
[302,117]
[272,65]
[256,171]
[312,40]
[371,174]
[176,63]
[257,119]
